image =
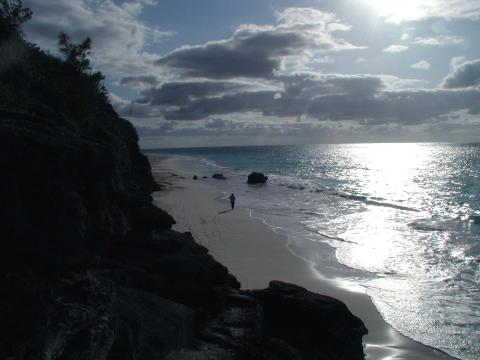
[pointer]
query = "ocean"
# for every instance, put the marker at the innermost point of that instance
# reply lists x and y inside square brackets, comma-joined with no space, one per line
[395,219]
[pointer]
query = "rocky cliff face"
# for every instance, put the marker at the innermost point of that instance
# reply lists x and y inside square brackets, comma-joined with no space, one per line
[90,268]
[64,194]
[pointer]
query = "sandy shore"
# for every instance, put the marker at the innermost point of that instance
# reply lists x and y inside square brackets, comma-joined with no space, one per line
[256,254]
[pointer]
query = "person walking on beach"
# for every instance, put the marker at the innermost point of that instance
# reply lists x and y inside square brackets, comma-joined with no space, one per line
[232,200]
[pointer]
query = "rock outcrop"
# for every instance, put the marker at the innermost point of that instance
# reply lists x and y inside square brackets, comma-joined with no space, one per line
[64,194]
[316,326]
[257,178]
[90,268]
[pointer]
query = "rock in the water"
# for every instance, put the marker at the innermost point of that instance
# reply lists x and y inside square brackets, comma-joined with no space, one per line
[257,178]
[195,177]
[475,218]
[219,176]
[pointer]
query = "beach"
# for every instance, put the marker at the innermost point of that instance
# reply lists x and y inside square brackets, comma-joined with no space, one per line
[256,254]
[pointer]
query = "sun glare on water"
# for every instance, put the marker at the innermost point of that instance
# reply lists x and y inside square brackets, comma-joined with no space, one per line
[399,10]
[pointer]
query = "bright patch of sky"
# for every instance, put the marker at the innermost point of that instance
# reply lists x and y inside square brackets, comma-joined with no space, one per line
[202,72]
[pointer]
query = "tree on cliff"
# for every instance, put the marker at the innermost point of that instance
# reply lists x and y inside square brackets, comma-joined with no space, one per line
[76,55]
[85,88]
[12,15]
[34,82]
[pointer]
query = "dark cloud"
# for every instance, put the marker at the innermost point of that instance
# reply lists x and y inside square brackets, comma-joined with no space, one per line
[258,51]
[194,100]
[182,93]
[262,101]
[464,75]
[312,85]
[216,124]
[404,107]
[133,109]
[252,55]
[162,129]
[140,80]
[217,127]
[363,98]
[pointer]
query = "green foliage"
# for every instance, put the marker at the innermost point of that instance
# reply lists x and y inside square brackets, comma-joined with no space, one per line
[12,15]
[76,55]
[35,82]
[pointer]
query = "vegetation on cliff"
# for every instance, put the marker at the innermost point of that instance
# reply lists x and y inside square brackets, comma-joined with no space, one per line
[37,83]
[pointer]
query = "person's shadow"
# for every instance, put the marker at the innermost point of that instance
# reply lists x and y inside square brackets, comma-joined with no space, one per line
[225,211]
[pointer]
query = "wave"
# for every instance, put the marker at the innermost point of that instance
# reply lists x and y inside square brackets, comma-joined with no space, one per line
[294,184]
[296,187]
[330,237]
[426,225]
[393,206]
[365,200]
[336,238]
[212,163]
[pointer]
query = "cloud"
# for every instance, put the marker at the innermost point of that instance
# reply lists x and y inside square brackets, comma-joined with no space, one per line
[259,72]
[403,107]
[421,65]
[119,37]
[258,101]
[133,109]
[438,41]
[182,93]
[216,124]
[289,97]
[259,51]
[324,60]
[140,81]
[465,74]
[367,99]
[248,130]
[395,48]
[398,12]
[325,21]
[228,129]
[456,61]
[467,9]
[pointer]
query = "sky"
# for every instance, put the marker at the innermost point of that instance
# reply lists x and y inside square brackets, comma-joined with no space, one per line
[263,72]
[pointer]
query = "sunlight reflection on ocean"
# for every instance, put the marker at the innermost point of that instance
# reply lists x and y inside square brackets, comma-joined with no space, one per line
[396,217]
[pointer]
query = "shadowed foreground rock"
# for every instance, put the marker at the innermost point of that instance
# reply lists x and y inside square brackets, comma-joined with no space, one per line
[91,269]
[319,327]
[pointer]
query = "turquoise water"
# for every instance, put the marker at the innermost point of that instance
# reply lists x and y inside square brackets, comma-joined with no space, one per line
[394,218]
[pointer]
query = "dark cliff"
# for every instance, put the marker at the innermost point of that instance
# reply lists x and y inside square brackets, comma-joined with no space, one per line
[90,269]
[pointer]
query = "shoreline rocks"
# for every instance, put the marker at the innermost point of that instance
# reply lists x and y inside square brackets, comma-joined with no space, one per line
[257,178]
[219,176]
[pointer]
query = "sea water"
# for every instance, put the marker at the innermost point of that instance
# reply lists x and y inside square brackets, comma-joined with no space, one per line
[393,218]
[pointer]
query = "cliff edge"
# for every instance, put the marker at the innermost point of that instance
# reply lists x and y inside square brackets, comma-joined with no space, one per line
[90,268]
